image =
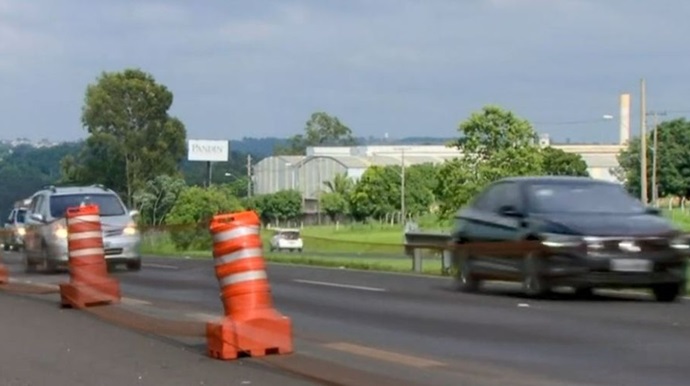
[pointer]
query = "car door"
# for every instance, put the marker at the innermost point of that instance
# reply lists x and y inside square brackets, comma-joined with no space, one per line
[493,229]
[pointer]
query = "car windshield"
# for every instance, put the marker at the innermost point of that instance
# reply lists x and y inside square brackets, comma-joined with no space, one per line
[582,198]
[108,204]
[289,235]
[21,216]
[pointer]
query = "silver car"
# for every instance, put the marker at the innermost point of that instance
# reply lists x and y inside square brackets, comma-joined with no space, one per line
[45,241]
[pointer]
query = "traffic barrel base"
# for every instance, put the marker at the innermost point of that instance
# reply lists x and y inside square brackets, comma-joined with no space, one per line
[229,339]
[83,295]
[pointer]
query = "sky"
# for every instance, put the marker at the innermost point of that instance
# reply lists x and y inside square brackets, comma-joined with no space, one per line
[402,67]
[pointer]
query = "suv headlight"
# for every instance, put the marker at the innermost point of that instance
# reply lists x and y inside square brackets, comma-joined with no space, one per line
[131,229]
[554,240]
[60,231]
[21,231]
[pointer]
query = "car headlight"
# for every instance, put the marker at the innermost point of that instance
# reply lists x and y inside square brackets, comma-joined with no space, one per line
[130,229]
[21,231]
[554,240]
[680,242]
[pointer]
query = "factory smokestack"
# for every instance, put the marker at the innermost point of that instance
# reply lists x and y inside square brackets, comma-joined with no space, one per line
[625,119]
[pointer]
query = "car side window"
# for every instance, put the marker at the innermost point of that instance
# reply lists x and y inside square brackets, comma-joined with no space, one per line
[499,195]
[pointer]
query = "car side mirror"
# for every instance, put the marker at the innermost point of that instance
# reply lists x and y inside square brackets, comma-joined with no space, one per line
[37,217]
[510,211]
[133,213]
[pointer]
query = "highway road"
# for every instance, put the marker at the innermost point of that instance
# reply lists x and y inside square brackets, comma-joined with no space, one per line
[364,328]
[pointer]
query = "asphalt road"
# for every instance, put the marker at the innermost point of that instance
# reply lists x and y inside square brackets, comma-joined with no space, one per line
[365,328]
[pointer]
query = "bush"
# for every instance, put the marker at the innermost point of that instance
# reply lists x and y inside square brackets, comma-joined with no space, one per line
[194,209]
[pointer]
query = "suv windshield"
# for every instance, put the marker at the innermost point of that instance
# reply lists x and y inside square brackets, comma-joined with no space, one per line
[108,204]
[588,197]
[20,217]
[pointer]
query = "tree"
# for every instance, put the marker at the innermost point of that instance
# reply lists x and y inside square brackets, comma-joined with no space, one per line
[376,194]
[335,201]
[195,207]
[494,144]
[132,134]
[673,159]
[280,206]
[321,130]
[557,162]
[157,198]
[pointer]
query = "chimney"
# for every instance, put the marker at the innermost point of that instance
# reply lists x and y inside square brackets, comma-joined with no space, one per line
[625,119]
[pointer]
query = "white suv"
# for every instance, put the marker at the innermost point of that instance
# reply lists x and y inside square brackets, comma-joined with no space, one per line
[45,241]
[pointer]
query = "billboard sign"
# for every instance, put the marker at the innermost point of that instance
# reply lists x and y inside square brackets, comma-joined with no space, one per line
[207,150]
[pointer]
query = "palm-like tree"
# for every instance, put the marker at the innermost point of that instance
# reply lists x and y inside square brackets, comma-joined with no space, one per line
[341,184]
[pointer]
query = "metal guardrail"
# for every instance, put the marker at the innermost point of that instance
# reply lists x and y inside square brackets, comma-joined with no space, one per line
[416,242]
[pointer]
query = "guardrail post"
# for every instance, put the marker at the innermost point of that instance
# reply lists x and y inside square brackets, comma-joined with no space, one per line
[417,260]
[447,261]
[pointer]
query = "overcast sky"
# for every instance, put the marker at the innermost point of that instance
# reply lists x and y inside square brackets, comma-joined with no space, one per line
[405,67]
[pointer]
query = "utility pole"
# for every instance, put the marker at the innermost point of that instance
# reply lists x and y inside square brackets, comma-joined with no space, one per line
[249,175]
[643,142]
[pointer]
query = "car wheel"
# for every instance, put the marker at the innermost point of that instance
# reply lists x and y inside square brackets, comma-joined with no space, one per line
[465,279]
[667,292]
[6,247]
[49,266]
[134,265]
[584,292]
[29,266]
[533,282]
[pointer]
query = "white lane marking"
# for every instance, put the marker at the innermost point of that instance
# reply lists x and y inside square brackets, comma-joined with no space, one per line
[327,284]
[135,302]
[203,317]
[388,356]
[163,266]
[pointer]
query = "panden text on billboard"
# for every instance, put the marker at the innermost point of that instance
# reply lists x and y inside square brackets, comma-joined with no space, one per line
[207,150]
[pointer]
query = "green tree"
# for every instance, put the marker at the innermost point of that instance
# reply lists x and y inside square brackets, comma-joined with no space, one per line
[376,194]
[189,218]
[673,159]
[557,162]
[321,130]
[494,143]
[157,198]
[126,115]
[335,201]
[280,206]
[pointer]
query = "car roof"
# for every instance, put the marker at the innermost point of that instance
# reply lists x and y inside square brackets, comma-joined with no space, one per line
[65,190]
[286,230]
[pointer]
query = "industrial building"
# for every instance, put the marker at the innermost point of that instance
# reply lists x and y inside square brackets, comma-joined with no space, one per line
[308,173]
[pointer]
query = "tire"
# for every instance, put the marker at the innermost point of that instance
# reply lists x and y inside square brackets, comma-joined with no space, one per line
[667,292]
[134,265]
[49,266]
[465,279]
[29,266]
[584,292]
[534,284]
[6,247]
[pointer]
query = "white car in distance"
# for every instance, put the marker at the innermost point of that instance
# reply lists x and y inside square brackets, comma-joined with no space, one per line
[286,240]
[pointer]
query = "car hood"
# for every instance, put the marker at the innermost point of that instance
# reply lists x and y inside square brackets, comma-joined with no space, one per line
[605,224]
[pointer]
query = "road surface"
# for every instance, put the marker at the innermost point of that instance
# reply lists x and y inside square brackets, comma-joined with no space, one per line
[361,328]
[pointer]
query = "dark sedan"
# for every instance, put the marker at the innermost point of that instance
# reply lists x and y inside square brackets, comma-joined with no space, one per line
[547,232]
